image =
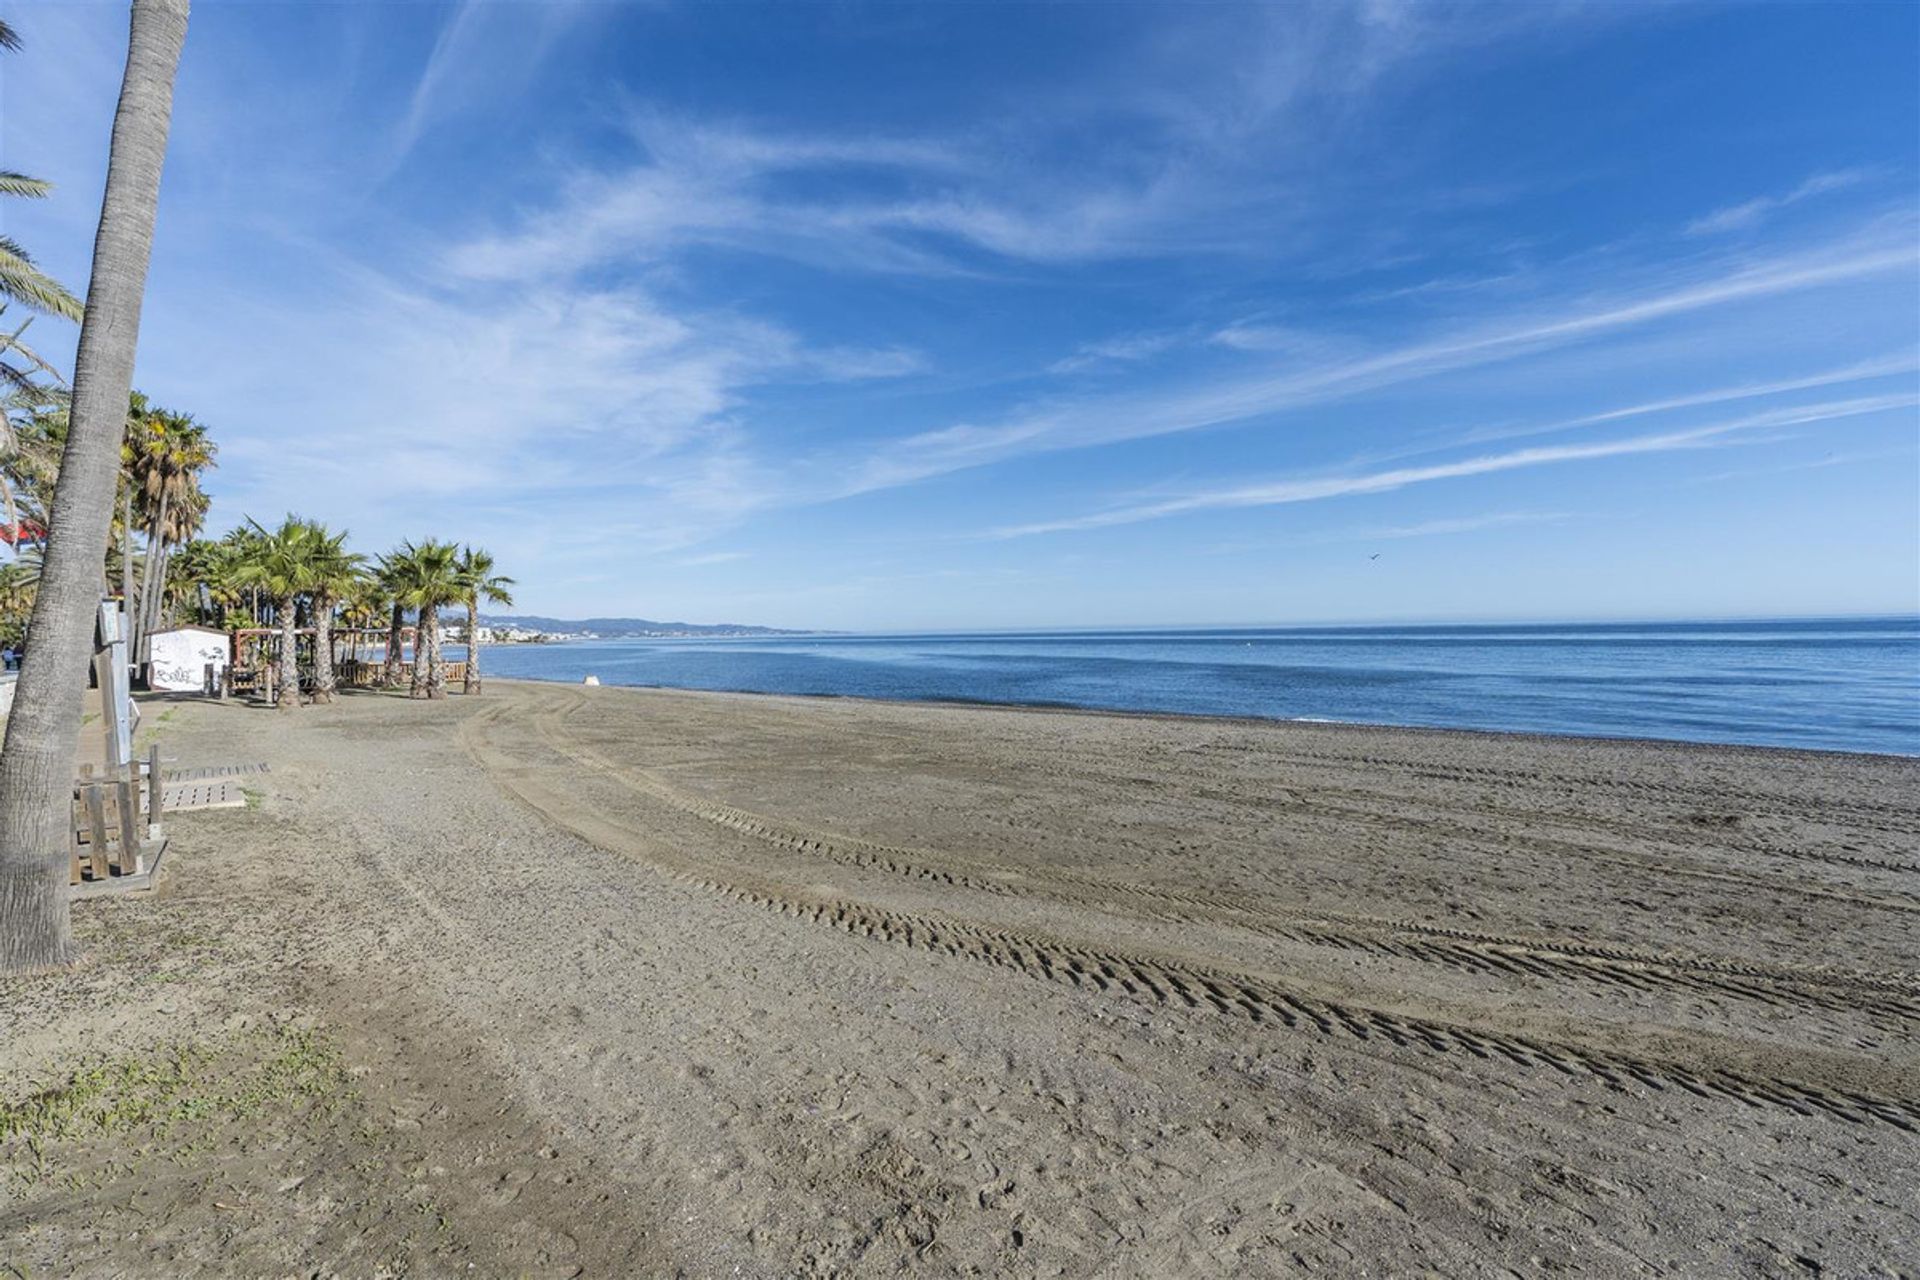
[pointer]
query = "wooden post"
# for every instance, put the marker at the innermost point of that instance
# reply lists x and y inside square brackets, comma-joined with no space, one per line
[97,830]
[266,683]
[153,792]
[73,837]
[128,798]
[117,711]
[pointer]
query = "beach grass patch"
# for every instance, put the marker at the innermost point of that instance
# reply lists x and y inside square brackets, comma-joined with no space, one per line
[172,1103]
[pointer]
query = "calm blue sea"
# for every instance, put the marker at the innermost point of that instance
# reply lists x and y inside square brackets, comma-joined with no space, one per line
[1851,685]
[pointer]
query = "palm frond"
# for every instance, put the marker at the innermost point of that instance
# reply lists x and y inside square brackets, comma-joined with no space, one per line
[25,283]
[11,342]
[19,184]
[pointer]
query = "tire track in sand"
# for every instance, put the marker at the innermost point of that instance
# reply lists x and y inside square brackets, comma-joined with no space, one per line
[1895,818]
[1888,997]
[1162,982]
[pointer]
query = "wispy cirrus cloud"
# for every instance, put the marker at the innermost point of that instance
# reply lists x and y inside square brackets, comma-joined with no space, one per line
[1857,371]
[599,418]
[1319,488]
[1832,459]
[1122,349]
[710,558]
[702,184]
[1750,213]
[1446,526]
[1109,418]
[1182,145]
[484,50]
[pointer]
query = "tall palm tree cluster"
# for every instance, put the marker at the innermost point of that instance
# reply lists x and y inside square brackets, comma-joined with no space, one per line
[79,483]
[302,569]
[299,575]
[162,455]
[159,506]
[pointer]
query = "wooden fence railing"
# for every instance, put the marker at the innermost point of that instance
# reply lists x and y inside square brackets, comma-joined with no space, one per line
[351,673]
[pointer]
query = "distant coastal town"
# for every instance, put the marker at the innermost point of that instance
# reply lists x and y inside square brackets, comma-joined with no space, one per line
[457,634]
[539,630]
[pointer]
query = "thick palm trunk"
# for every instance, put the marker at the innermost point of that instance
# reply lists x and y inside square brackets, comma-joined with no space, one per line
[426,655]
[396,647]
[436,661]
[36,766]
[288,679]
[473,649]
[323,682]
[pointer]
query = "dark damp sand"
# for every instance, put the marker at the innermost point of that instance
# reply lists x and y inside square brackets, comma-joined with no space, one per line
[639,982]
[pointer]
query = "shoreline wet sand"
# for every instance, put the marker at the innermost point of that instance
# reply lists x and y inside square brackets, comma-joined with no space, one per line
[623,980]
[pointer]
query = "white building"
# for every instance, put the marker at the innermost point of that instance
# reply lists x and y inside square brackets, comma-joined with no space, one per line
[179,658]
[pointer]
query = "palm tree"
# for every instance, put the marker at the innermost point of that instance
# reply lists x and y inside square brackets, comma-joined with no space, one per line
[200,580]
[478,582]
[20,364]
[362,605]
[428,577]
[333,572]
[164,455]
[36,765]
[18,583]
[388,576]
[46,428]
[20,280]
[33,433]
[283,563]
[24,284]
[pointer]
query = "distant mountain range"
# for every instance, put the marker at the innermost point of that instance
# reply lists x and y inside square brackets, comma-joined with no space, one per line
[626,626]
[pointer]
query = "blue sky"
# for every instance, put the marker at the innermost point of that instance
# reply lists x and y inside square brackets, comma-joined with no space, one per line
[964,315]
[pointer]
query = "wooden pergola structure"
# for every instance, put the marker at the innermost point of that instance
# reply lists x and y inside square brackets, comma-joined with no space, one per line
[252,645]
[256,648]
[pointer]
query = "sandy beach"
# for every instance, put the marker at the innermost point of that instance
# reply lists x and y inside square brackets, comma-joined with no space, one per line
[565,981]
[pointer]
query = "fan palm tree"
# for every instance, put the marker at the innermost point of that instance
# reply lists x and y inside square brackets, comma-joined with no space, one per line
[36,765]
[200,578]
[165,454]
[333,573]
[478,582]
[44,430]
[362,605]
[428,577]
[388,576]
[283,563]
